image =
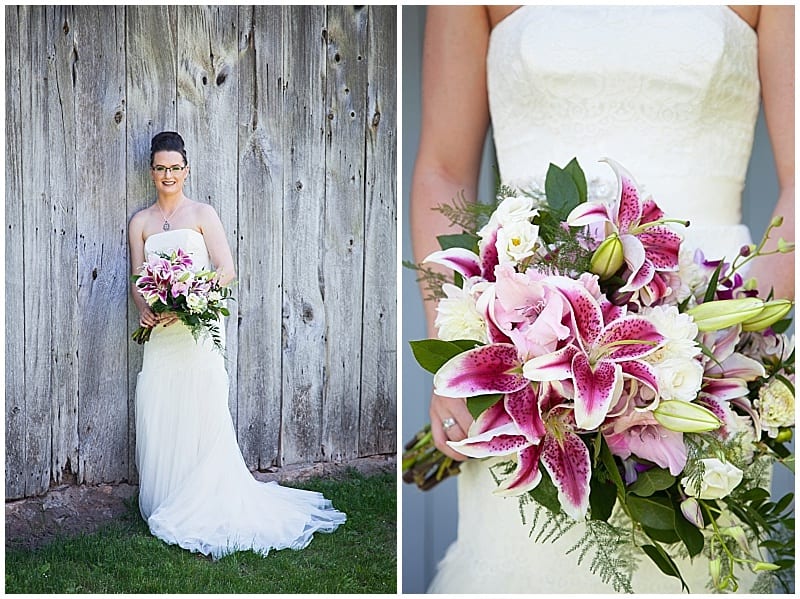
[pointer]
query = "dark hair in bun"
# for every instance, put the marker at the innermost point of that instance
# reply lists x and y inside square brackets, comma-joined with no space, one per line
[167,141]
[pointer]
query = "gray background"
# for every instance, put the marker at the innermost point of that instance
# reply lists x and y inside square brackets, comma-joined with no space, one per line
[430,519]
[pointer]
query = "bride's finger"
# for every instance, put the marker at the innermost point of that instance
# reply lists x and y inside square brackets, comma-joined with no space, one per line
[454,414]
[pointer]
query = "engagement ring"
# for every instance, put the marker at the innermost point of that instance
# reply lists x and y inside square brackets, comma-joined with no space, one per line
[448,423]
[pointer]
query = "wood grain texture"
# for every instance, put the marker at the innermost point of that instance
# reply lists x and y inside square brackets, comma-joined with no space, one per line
[61,44]
[36,240]
[260,240]
[288,116]
[151,107]
[379,373]
[343,237]
[15,265]
[303,232]
[102,247]
[207,96]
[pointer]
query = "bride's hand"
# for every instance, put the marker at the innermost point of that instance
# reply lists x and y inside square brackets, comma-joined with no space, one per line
[147,318]
[167,318]
[441,409]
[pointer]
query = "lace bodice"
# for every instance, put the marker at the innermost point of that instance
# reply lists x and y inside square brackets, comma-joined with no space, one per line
[189,240]
[678,112]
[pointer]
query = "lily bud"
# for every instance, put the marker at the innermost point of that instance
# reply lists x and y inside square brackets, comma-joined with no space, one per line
[765,566]
[750,284]
[721,314]
[785,247]
[776,222]
[685,417]
[715,569]
[690,508]
[608,258]
[772,312]
[737,534]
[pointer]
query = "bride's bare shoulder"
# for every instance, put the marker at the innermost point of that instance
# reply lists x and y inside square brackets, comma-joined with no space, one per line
[748,13]
[498,12]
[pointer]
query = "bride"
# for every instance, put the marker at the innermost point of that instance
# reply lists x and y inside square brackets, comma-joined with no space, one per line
[194,487]
[672,93]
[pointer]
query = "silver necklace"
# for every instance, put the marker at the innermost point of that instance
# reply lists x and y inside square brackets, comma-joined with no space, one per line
[166,219]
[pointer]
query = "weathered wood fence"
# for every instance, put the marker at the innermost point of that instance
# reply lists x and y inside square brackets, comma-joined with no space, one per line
[289,119]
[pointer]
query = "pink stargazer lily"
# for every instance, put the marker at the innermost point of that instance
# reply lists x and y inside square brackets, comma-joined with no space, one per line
[533,424]
[648,246]
[466,262]
[485,370]
[605,351]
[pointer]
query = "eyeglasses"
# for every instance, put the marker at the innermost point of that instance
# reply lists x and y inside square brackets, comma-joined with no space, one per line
[163,170]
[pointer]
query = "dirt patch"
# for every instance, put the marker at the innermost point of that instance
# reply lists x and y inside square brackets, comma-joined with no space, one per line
[69,510]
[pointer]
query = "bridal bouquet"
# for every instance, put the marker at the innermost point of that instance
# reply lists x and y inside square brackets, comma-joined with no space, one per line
[622,380]
[168,284]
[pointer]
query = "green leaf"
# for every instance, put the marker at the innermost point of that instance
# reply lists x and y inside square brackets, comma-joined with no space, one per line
[478,405]
[664,562]
[690,535]
[781,326]
[650,481]
[611,467]
[712,284]
[653,512]
[602,497]
[464,240]
[783,503]
[662,535]
[576,172]
[432,354]
[561,191]
[546,493]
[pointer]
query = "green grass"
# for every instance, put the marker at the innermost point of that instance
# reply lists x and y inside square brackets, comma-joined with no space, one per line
[359,557]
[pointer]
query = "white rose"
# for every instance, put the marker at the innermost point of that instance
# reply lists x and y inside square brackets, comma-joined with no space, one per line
[719,479]
[196,303]
[679,330]
[214,296]
[516,241]
[691,275]
[458,318]
[679,378]
[511,210]
[775,405]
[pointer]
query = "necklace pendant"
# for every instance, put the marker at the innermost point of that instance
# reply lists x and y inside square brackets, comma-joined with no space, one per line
[166,226]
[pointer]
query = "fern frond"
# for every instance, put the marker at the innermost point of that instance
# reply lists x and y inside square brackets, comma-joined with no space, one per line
[612,557]
[431,280]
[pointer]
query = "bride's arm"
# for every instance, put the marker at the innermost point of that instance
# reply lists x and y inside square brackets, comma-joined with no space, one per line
[136,246]
[455,118]
[217,243]
[776,67]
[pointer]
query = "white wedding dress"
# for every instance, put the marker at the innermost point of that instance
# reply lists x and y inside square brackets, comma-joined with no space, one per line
[194,487]
[671,93]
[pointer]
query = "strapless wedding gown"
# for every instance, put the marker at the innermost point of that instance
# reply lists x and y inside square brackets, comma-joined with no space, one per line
[671,93]
[194,487]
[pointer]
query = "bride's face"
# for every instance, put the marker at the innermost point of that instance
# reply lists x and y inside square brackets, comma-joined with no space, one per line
[166,172]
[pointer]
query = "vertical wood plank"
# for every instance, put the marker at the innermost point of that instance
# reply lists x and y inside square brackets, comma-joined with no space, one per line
[379,372]
[303,310]
[63,255]
[261,184]
[15,265]
[102,247]
[151,72]
[208,72]
[36,240]
[343,237]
